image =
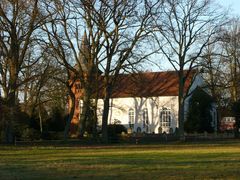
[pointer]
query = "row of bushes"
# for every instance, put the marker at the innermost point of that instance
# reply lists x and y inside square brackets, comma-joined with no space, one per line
[24,127]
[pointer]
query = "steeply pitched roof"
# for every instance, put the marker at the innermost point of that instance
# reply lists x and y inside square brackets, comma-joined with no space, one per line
[84,56]
[84,52]
[149,84]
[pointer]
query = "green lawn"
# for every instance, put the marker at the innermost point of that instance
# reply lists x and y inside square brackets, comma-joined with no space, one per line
[172,161]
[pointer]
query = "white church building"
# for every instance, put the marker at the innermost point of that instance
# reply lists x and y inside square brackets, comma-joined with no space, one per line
[145,102]
[148,102]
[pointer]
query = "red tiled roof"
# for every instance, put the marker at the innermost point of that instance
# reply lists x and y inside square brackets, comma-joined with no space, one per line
[149,84]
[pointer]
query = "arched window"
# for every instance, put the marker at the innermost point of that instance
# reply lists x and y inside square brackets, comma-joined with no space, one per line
[131,118]
[165,117]
[145,117]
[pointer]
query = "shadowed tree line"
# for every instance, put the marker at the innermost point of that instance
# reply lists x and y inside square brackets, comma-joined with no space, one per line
[46,46]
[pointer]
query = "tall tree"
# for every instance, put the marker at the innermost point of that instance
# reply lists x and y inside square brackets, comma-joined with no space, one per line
[113,31]
[41,91]
[213,66]
[221,63]
[18,21]
[120,27]
[231,48]
[182,31]
[70,47]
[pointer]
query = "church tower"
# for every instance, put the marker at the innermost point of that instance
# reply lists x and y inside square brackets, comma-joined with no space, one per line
[90,73]
[84,55]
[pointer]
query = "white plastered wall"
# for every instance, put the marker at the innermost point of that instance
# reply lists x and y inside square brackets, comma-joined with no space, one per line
[119,111]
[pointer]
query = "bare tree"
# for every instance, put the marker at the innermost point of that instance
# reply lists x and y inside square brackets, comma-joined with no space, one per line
[41,91]
[221,63]
[221,66]
[120,28]
[18,21]
[231,48]
[70,47]
[212,64]
[182,31]
[112,32]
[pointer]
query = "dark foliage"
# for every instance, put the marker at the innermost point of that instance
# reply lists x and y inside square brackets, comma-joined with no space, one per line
[236,111]
[57,121]
[34,123]
[114,131]
[21,123]
[199,116]
[90,122]
[21,126]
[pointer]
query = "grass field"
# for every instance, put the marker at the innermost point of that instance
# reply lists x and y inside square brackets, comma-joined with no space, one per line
[171,161]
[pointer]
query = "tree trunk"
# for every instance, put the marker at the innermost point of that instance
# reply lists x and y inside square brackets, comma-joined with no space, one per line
[11,104]
[95,105]
[85,112]
[71,113]
[40,119]
[105,118]
[181,106]
[95,119]
[9,131]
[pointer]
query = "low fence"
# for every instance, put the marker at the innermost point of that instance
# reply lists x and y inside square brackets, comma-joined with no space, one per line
[208,136]
[129,139]
[163,138]
[148,138]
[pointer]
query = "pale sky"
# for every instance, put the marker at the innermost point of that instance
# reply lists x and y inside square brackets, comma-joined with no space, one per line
[234,5]
[234,10]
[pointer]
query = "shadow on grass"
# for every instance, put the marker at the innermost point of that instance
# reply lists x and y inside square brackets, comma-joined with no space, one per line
[135,162]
